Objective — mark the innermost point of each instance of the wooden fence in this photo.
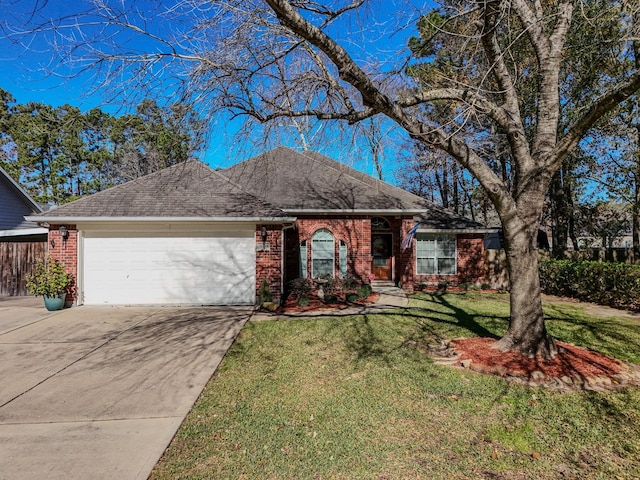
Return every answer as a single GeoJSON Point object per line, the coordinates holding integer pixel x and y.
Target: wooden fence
{"type": "Point", "coordinates": [16, 261]}
{"type": "Point", "coordinates": [496, 274]}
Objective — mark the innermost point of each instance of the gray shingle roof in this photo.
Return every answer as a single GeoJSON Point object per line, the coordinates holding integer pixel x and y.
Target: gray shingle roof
{"type": "Point", "coordinates": [189, 190]}
{"type": "Point", "coordinates": [275, 185]}
{"type": "Point", "coordinates": [302, 182]}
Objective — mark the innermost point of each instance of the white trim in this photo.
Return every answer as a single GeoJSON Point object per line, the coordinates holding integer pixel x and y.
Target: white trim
{"type": "Point", "coordinates": [57, 220]}
{"type": "Point", "coordinates": [80, 268]}
{"type": "Point", "coordinates": [455, 230]}
{"type": "Point", "coordinates": [24, 231]}
{"type": "Point", "coordinates": [377, 212]}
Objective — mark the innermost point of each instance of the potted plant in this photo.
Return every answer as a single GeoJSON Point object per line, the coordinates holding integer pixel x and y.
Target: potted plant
{"type": "Point", "coordinates": [50, 280]}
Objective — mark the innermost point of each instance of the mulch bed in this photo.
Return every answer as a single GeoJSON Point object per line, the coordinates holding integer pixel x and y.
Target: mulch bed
{"type": "Point", "coordinates": [290, 305]}
{"type": "Point", "coordinates": [573, 368]}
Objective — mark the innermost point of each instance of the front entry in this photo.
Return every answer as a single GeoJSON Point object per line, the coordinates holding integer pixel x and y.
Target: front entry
{"type": "Point", "coordinates": [382, 251]}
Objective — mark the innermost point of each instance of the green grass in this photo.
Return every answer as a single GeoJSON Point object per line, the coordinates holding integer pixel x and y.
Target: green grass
{"type": "Point", "coordinates": [357, 398]}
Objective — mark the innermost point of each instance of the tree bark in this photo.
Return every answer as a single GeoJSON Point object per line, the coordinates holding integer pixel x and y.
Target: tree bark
{"type": "Point", "coordinates": [527, 333]}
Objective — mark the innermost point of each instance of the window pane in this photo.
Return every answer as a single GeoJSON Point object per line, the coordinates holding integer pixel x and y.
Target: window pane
{"type": "Point", "coordinates": [303, 259]}
{"type": "Point", "coordinates": [446, 247]}
{"type": "Point", "coordinates": [446, 266]}
{"type": "Point", "coordinates": [322, 254]}
{"type": "Point", "coordinates": [322, 268]}
{"type": "Point", "coordinates": [343, 259]}
{"type": "Point", "coordinates": [426, 266]}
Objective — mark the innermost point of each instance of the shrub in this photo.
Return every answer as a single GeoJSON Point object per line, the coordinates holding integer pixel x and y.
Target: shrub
{"type": "Point", "coordinates": [330, 298]}
{"type": "Point", "coordinates": [613, 284]}
{"type": "Point", "coordinates": [300, 288]}
{"type": "Point", "coordinates": [49, 278]}
{"type": "Point", "coordinates": [349, 283]}
{"type": "Point", "coordinates": [352, 297]}
{"type": "Point", "coordinates": [364, 291]}
{"type": "Point", "coordinates": [303, 302]}
{"type": "Point", "coordinates": [264, 292]}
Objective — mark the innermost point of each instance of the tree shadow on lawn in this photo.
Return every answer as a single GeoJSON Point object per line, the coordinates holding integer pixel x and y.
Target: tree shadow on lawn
{"type": "Point", "coordinates": [435, 324]}
{"type": "Point", "coordinates": [610, 335]}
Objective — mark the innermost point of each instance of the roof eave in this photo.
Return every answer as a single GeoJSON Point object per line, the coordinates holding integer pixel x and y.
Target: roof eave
{"type": "Point", "coordinates": [20, 232]}
{"type": "Point", "coordinates": [456, 230]}
{"type": "Point", "coordinates": [72, 219]}
{"type": "Point", "coordinates": [355, 211]}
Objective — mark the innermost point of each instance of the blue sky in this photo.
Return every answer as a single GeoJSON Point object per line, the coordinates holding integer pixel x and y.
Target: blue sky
{"type": "Point", "coordinates": [25, 72]}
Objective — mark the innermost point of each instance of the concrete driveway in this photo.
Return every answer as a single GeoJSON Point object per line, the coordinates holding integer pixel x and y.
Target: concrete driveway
{"type": "Point", "coordinates": [99, 392]}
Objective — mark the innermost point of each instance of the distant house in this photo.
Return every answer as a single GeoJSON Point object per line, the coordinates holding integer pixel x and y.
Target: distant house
{"type": "Point", "coordinates": [21, 241]}
{"type": "Point", "coordinates": [191, 235]}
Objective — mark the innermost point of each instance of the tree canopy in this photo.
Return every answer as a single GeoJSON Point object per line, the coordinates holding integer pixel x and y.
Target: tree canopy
{"type": "Point", "coordinates": [60, 154]}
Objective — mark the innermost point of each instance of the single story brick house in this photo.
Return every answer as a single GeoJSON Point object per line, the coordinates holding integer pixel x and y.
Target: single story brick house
{"type": "Point", "coordinates": [192, 235]}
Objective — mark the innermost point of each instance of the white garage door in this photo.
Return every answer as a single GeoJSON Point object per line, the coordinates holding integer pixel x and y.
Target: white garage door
{"type": "Point", "coordinates": [210, 267]}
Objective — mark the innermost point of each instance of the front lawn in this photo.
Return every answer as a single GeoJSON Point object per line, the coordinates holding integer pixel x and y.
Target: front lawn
{"type": "Point", "coordinates": [356, 397]}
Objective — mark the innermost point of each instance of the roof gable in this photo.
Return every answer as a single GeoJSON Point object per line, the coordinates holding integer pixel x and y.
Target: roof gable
{"type": "Point", "coordinates": [15, 204]}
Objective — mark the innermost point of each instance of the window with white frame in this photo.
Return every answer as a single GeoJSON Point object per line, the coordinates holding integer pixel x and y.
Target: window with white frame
{"type": "Point", "coordinates": [303, 259]}
{"type": "Point", "coordinates": [435, 254]}
{"type": "Point", "coordinates": [322, 254]}
{"type": "Point", "coordinates": [343, 259]}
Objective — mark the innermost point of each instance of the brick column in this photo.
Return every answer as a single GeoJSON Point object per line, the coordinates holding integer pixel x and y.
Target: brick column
{"type": "Point", "coordinates": [66, 252]}
{"type": "Point", "coordinates": [269, 260]}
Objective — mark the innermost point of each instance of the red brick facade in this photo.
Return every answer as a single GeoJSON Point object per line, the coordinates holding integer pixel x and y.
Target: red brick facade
{"type": "Point", "coordinates": [355, 231]}
{"type": "Point", "coordinates": [278, 256]}
{"type": "Point", "coordinates": [66, 252]}
{"type": "Point", "coordinates": [469, 259]}
{"type": "Point", "coordinates": [269, 259]}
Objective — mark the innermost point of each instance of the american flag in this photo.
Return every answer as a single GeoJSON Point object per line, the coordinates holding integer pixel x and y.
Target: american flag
{"type": "Point", "coordinates": [406, 241]}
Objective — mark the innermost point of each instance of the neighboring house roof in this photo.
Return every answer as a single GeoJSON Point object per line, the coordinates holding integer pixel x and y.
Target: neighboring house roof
{"type": "Point", "coordinates": [189, 191]}
{"type": "Point", "coordinates": [15, 204]}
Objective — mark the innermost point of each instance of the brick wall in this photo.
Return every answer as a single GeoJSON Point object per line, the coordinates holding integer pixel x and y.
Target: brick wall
{"type": "Point", "coordinates": [269, 259]}
{"type": "Point", "coordinates": [354, 231]}
{"type": "Point", "coordinates": [470, 263]}
{"type": "Point", "coordinates": [66, 252]}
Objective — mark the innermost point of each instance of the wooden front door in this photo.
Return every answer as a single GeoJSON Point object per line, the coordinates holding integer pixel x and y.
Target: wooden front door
{"type": "Point", "coordinates": [382, 251]}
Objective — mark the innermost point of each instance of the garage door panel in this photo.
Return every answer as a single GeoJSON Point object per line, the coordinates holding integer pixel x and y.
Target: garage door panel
{"type": "Point", "coordinates": [147, 269]}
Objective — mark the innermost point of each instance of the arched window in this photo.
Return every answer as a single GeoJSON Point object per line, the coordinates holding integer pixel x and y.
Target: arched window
{"type": "Point", "coordinates": [322, 254]}
{"type": "Point", "coordinates": [379, 223]}
{"type": "Point", "coordinates": [303, 259]}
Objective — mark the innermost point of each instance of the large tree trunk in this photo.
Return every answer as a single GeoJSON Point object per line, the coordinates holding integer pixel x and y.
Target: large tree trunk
{"type": "Point", "coordinates": [527, 333]}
